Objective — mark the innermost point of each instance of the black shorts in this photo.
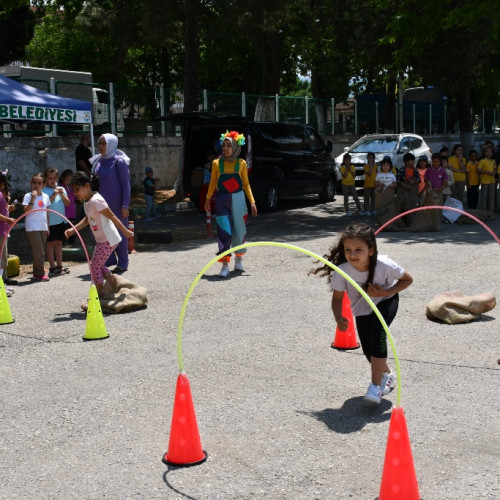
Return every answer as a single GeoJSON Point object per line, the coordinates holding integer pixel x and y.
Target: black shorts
{"type": "Point", "coordinates": [371, 333]}
{"type": "Point", "coordinates": [56, 232]}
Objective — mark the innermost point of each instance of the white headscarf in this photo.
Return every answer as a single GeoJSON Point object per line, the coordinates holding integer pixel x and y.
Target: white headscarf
{"type": "Point", "coordinates": [111, 150]}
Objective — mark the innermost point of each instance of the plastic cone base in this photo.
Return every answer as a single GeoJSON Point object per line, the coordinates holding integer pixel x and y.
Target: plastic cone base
{"type": "Point", "coordinates": [95, 328]}
{"type": "Point", "coordinates": [347, 339]}
{"type": "Point", "coordinates": [184, 446]}
{"type": "Point", "coordinates": [166, 461]}
{"type": "Point", "coordinates": [5, 314]}
{"type": "Point", "coordinates": [399, 479]}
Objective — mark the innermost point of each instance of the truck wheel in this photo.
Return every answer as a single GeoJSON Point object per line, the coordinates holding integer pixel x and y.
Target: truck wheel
{"type": "Point", "coordinates": [327, 194]}
{"type": "Point", "coordinates": [270, 200]}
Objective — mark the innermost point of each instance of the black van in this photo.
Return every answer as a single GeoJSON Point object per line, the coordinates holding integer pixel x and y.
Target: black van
{"type": "Point", "coordinates": [284, 159]}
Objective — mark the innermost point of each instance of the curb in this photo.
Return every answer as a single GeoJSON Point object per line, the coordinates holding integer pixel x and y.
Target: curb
{"type": "Point", "coordinates": [160, 236]}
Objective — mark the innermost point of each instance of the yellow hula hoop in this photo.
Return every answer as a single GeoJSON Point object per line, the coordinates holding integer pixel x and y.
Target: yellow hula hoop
{"type": "Point", "coordinates": [314, 256]}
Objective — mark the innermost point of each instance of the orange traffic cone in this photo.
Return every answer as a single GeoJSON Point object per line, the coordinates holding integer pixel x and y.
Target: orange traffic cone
{"type": "Point", "coordinates": [398, 477]}
{"type": "Point", "coordinates": [347, 339]}
{"type": "Point", "coordinates": [131, 227]}
{"type": "Point", "coordinates": [184, 446]}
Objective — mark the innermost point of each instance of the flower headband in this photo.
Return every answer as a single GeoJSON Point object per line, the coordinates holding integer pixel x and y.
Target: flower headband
{"type": "Point", "coordinates": [236, 136]}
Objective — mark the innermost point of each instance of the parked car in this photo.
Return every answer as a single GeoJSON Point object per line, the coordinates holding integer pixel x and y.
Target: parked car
{"type": "Point", "coordinates": [393, 145]}
{"type": "Point", "coordinates": [284, 159]}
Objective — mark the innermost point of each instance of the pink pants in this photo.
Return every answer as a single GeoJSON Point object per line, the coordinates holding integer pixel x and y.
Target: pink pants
{"type": "Point", "coordinates": [98, 263]}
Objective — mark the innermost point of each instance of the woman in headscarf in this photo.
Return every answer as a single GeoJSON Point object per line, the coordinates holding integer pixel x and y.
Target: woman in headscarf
{"type": "Point", "coordinates": [111, 165]}
{"type": "Point", "coordinates": [229, 181]}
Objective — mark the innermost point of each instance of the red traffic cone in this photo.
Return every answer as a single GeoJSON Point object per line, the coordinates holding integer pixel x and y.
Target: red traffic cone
{"type": "Point", "coordinates": [131, 246]}
{"type": "Point", "coordinates": [347, 339]}
{"type": "Point", "coordinates": [398, 477]}
{"type": "Point", "coordinates": [184, 446]}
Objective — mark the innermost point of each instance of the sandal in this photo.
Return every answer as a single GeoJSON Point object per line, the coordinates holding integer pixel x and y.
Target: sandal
{"type": "Point", "coordinates": [62, 270]}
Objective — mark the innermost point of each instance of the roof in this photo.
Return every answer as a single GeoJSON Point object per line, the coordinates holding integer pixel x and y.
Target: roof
{"type": "Point", "coordinates": [22, 103]}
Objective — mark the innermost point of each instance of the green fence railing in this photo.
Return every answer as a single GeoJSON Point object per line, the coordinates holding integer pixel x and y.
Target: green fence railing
{"type": "Point", "coordinates": [134, 111]}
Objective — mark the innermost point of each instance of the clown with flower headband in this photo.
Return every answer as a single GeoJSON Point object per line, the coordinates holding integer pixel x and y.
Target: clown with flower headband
{"type": "Point", "coordinates": [229, 181]}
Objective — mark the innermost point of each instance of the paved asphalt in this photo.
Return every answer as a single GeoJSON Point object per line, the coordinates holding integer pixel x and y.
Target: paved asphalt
{"type": "Point", "coordinates": [279, 412]}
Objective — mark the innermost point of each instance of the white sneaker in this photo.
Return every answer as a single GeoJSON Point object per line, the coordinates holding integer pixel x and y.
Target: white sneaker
{"type": "Point", "coordinates": [224, 272]}
{"type": "Point", "coordinates": [388, 382]}
{"type": "Point", "coordinates": [373, 394]}
{"type": "Point", "coordinates": [238, 264]}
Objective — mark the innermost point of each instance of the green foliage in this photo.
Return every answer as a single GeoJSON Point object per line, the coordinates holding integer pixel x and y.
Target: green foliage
{"type": "Point", "coordinates": [346, 48]}
{"type": "Point", "coordinates": [16, 29]}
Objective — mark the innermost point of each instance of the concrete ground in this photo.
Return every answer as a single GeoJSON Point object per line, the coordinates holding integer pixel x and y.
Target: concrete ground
{"type": "Point", "coordinates": [279, 412]}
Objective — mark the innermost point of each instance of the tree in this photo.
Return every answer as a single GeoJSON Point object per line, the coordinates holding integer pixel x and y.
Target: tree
{"type": "Point", "coordinates": [453, 42]}
{"type": "Point", "coordinates": [17, 22]}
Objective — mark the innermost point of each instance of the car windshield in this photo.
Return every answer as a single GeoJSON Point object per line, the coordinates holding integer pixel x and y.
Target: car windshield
{"type": "Point", "coordinates": [375, 145]}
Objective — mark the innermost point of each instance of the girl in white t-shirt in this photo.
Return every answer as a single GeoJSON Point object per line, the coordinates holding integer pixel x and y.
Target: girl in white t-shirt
{"type": "Point", "coordinates": [37, 224]}
{"type": "Point", "coordinates": [103, 223]}
{"type": "Point", "coordinates": [381, 278]}
{"type": "Point", "coordinates": [385, 178]}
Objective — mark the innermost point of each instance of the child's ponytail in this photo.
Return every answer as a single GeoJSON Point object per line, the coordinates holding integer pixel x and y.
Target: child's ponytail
{"type": "Point", "coordinates": [95, 182]}
{"type": "Point", "coordinates": [81, 178]}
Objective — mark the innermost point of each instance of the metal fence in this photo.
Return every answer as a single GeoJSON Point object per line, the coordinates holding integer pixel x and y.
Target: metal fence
{"type": "Point", "coordinates": [134, 111]}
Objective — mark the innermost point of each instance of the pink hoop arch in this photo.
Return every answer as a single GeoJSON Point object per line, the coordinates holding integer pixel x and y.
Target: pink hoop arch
{"type": "Point", "coordinates": [439, 207]}
{"type": "Point", "coordinates": [60, 215]}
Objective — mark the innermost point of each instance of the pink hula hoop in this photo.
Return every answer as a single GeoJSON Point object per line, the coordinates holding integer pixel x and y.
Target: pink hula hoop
{"type": "Point", "coordinates": [439, 207]}
{"type": "Point", "coordinates": [54, 212]}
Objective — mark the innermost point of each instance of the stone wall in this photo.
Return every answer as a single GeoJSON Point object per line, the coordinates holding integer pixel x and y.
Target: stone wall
{"type": "Point", "coordinates": [24, 156]}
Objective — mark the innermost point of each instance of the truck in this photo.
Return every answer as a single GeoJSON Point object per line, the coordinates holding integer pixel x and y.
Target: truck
{"type": "Point", "coordinates": [72, 84]}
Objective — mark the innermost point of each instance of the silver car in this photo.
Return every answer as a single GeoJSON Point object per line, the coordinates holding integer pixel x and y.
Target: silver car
{"type": "Point", "coordinates": [393, 145]}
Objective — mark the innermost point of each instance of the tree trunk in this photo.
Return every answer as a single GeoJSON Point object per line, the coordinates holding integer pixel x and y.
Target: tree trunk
{"type": "Point", "coordinates": [268, 49]}
{"type": "Point", "coordinates": [465, 120]}
{"type": "Point", "coordinates": [264, 110]}
{"type": "Point", "coordinates": [390, 109]}
{"type": "Point", "coordinates": [191, 56]}
{"type": "Point", "coordinates": [321, 116]}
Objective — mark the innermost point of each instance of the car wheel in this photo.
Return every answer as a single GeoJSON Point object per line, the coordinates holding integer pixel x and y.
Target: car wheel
{"type": "Point", "coordinates": [271, 198]}
{"type": "Point", "coordinates": [328, 192]}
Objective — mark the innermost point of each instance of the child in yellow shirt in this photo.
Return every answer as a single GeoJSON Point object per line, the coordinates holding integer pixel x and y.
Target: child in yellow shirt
{"type": "Point", "coordinates": [457, 164]}
{"type": "Point", "coordinates": [487, 170]}
{"type": "Point", "coordinates": [348, 172]}
{"type": "Point", "coordinates": [369, 187]}
{"type": "Point", "coordinates": [472, 180]}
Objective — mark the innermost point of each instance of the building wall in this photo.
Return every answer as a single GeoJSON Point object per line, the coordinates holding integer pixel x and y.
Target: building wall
{"type": "Point", "coordinates": [24, 156]}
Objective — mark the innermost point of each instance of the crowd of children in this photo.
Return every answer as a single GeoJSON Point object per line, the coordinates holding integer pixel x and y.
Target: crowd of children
{"type": "Point", "coordinates": [448, 176]}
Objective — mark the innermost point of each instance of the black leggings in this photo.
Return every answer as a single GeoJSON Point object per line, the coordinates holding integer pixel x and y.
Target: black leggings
{"type": "Point", "coordinates": [371, 333]}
